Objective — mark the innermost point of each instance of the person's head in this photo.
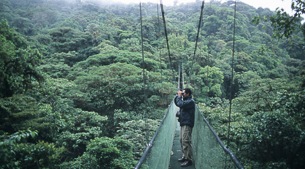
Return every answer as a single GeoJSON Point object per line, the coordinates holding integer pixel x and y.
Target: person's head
{"type": "Point", "coordinates": [187, 92]}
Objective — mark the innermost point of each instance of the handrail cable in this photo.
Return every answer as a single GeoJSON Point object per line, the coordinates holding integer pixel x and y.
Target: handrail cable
{"type": "Point", "coordinates": [166, 36]}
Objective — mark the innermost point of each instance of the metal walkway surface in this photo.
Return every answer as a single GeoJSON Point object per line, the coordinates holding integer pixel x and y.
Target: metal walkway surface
{"type": "Point", "coordinates": [177, 153]}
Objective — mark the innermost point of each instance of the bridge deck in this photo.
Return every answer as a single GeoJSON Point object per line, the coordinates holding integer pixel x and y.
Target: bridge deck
{"type": "Point", "coordinates": [177, 153]}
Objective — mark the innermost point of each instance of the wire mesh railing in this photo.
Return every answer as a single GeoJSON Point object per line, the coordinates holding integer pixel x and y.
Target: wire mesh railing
{"type": "Point", "coordinates": [157, 153]}
{"type": "Point", "coordinates": [209, 152]}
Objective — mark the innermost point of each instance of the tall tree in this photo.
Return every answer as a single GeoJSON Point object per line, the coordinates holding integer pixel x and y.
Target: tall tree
{"type": "Point", "coordinates": [18, 64]}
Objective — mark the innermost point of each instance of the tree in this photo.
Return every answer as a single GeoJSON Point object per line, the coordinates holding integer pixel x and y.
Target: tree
{"type": "Point", "coordinates": [285, 24]}
{"type": "Point", "coordinates": [212, 78]}
{"type": "Point", "coordinates": [212, 25]}
{"type": "Point", "coordinates": [18, 64]}
{"type": "Point", "coordinates": [121, 81]}
{"type": "Point", "coordinates": [94, 84]}
{"type": "Point", "coordinates": [105, 152]}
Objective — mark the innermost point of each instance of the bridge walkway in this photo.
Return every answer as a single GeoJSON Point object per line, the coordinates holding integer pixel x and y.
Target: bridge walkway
{"type": "Point", "coordinates": [176, 152]}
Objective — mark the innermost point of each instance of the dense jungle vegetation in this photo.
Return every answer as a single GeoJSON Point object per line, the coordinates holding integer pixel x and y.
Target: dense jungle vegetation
{"type": "Point", "coordinates": [72, 93]}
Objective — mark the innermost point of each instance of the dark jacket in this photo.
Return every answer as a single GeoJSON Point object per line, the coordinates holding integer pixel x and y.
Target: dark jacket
{"type": "Point", "coordinates": [187, 110]}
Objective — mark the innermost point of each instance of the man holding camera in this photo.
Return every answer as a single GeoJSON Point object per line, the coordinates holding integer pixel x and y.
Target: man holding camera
{"type": "Point", "coordinates": [186, 117]}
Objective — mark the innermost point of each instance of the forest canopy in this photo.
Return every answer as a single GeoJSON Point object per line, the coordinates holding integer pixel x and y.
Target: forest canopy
{"type": "Point", "coordinates": [75, 91]}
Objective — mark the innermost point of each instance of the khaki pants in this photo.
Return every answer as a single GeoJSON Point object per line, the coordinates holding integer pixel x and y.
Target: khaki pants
{"type": "Point", "coordinates": [186, 141]}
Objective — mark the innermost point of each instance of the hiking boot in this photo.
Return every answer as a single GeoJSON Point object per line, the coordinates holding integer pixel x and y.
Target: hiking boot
{"type": "Point", "coordinates": [182, 159]}
{"type": "Point", "coordinates": [187, 163]}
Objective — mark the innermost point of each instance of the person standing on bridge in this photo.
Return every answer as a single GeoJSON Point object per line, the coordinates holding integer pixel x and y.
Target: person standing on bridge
{"type": "Point", "coordinates": [184, 101]}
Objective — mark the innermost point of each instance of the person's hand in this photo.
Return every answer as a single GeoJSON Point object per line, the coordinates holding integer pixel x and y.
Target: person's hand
{"type": "Point", "coordinates": [179, 93]}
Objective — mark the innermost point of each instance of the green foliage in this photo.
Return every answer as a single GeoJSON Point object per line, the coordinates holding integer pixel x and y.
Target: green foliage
{"type": "Point", "coordinates": [211, 78]}
{"type": "Point", "coordinates": [80, 127]}
{"type": "Point", "coordinates": [212, 24]}
{"type": "Point", "coordinates": [119, 80]}
{"type": "Point", "coordinates": [274, 135]}
{"type": "Point", "coordinates": [110, 54]}
{"type": "Point", "coordinates": [138, 132]}
{"type": "Point", "coordinates": [105, 152]}
{"type": "Point", "coordinates": [266, 125]}
{"type": "Point", "coordinates": [20, 109]}
{"type": "Point", "coordinates": [17, 137]}
{"type": "Point", "coordinates": [100, 103]}
{"type": "Point", "coordinates": [288, 26]}
{"type": "Point", "coordinates": [37, 155]}
{"type": "Point", "coordinates": [15, 152]}
{"type": "Point", "coordinates": [244, 80]}
{"type": "Point", "coordinates": [7, 145]}
{"type": "Point", "coordinates": [18, 63]}
{"type": "Point", "coordinates": [285, 24]}
{"type": "Point", "coordinates": [274, 129]}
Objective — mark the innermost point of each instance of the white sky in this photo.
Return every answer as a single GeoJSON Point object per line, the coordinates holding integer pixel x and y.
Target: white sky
{"type": "Point", "coordinates": [271, 4]}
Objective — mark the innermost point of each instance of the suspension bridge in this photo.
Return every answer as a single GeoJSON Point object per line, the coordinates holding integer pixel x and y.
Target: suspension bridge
{"type": "Point", "coordinates": [163, 150]}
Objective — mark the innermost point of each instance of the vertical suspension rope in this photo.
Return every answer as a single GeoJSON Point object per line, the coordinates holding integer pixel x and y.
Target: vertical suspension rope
{"type": "Point", "coordinates": [158, 36]}
{"type": "Point", "coordinates": [143, 72]}
{"type": "Point", "coordinates": [198, 31]}
{"type": "Point", "coordinates": [208, 73]}
{"type": "Point", "coordinates": [180, 78]}
{"type": "Point", "coordinates": [197, 38]}
{"type": "Point", "coordinates": [165, 31]}
{"type": "Point", "coordinates": [232, 76]}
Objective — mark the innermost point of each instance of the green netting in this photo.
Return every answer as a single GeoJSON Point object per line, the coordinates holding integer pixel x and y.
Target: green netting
{"type": "Point", "coordinates": [208, 150]}
{"type": "Point", "coordinates": [157, 154]}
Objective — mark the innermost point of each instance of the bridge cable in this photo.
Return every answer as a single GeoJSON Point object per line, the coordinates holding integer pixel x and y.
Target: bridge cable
{"type": "Point", "coordinates": [232, 76]}
{"type": "Point", "coordinates": [180, 78]}
{"type": "Point", "coordinates": [143, 73]}
{"type": "Point", "coordinates": [166, 36]}
{"type": "Point", "coordinates": [232, 80]}
{"type": "Point", "coordinates": [198, 30]}
{"type": "Point", "coordinates": [197, 38]}
{"type": "Point", "coordinates": [158, 36]}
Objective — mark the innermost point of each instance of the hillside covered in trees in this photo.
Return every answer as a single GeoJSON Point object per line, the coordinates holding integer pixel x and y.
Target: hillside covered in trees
{"type": "Point", "coordinates": [76, 93]}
